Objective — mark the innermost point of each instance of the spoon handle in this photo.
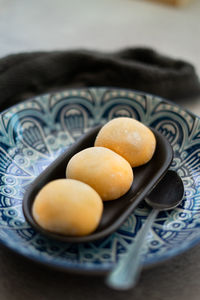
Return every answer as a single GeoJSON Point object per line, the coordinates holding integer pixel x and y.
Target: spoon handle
{"type": "Point", "coordinates": [127, 271]}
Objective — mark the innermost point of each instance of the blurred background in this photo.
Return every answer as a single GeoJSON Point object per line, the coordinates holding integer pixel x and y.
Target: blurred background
{"type": "Point", "coordinates": [27, 25]}
{"type": "Point", "coordinates": [105, 25]}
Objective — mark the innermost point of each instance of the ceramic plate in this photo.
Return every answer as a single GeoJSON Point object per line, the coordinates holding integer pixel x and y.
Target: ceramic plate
{"type": "Point", "coordinates": [35, 132]}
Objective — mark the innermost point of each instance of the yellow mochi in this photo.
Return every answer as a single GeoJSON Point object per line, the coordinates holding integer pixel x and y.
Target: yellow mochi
{"type": "Point", "coordinates": [104, 170]}
{"type": "Point", "coordinates": [129, 138]}
{"type": "Point", "coordinates": [68, 207]}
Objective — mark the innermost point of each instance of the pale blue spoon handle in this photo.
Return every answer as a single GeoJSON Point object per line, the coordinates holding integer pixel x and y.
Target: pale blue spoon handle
{"type": "Point", "coordinates": [127, 271]}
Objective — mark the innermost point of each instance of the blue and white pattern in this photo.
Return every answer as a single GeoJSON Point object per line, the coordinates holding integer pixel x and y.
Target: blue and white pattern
{"type": "Point", "coordinates": [35, 132]}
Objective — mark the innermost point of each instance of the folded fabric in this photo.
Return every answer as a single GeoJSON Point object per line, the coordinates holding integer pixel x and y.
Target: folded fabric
{"type": "Point", "coordinates": [28, 74]}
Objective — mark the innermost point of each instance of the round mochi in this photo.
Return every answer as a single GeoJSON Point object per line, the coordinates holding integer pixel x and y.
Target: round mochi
{"type": "Point", "coordinates": [129, 138]}
{"type": "Point", "coordinates": [104, 170]}
{"type": "Point", "coordinates": [68, 207]}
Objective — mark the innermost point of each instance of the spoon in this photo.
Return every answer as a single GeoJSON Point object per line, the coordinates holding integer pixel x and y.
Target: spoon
{"type": "Point", "coordinates": [166, 195]}
{"type": "Point", "coordinates": [115, 212]}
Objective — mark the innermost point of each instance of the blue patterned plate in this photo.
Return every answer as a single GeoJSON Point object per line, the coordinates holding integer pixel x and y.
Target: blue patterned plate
{"type": "Point", "coordinates": [35, 132]}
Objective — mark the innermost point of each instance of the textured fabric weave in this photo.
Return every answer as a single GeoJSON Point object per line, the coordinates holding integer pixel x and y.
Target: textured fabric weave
{"type": "Point", "coordinates": [28, 74]}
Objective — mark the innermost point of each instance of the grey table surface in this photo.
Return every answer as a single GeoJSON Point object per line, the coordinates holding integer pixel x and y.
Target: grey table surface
{"type": "Point", "coordinates": [103, 25]}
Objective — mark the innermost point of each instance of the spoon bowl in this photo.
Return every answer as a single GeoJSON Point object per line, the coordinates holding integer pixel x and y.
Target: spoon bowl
{"type": "Point", "coordinates": [115, 212]}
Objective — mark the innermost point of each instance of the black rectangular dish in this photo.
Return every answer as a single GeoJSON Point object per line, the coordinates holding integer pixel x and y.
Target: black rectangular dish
{"type": "Point", "coordinates": [116, 211]}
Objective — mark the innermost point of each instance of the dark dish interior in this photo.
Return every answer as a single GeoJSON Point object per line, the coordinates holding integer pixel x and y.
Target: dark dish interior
{"type": "Point", "coordinates": [116, 211]}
